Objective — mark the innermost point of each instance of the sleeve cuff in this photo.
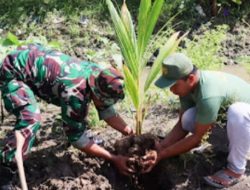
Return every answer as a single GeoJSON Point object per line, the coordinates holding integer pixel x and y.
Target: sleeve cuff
{"type": "Point", "coordinates": [107, 113]}
{"type": "Point", "coordinates": [81, 142]}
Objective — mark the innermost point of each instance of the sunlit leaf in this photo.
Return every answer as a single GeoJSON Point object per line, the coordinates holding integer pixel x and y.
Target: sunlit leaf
{"type": "Point", "coordinates": [130, 84]}
{"type": "Point", "coordinates": [137, 49]}
{"type": "Point", "coordinates": [165, 51]}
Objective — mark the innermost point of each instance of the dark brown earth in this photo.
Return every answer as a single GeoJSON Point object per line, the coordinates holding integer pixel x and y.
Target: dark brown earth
{"type": "Point", "coordinates": [54, 164]}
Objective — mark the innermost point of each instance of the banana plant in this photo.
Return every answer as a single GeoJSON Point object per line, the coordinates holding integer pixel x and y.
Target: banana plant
{"type": "Point", "coordinates": [137, 45]}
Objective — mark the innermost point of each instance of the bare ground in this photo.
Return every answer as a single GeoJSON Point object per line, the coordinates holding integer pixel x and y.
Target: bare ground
{"type": "Point", "coordinates": [54, 164]}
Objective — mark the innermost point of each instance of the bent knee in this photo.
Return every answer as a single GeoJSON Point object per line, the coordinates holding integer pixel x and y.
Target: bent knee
{"type": "Point", "coordinates": [238, 109]}
{"type": "Point", "coordinates": [82, 142]}
{"type": "Point", "coordinates": [188, 119]}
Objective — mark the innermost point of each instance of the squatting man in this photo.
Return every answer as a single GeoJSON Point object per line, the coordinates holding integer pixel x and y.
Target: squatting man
{"type": "Point", "coordinates": [202, 94]}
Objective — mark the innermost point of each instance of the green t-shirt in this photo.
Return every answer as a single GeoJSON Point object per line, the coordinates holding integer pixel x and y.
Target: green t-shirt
{"type": "Point", "coordinates": [213, 91]}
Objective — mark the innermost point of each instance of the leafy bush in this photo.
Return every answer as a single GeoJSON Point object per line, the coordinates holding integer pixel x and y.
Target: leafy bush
{"type": "Point", "coordinates": [183, 10]}
{"type": "Point", "coordinates": [203, 49]}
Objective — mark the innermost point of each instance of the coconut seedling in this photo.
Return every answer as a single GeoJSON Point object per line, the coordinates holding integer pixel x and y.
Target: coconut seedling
{"type": "Point", "coordinates": [137, 45]}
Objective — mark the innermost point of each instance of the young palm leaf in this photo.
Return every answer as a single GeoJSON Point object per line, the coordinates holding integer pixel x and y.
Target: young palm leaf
{"type": "Point", "coordinates": [136, 50]}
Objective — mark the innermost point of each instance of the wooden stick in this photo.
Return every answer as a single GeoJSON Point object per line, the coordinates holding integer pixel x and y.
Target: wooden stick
{"type": "Point", "coordinates": [19, 159]}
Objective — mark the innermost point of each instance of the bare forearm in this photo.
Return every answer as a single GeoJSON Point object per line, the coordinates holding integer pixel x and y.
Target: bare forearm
{"type": "Point", "coordinates": [174, 136]}
{"type": "Point", "coordinates": [118, 160]}
{"type": "Point", "coordinates": [96, 150]}
{"type": "Point", "coordinates": [180, 147]}
{"type": "Point", "coordinates": [119, 124]}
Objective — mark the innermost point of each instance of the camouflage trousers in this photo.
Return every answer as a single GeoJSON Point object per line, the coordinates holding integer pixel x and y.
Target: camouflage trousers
{"type": "Point", "coordinates": [19, 99]}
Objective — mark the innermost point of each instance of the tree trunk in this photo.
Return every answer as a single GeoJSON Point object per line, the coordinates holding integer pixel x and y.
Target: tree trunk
{"type": "Point", "coordinates": [214, 7]}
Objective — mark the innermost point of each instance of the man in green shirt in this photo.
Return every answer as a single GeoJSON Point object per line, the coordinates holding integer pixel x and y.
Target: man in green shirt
{"type": "Point", "coordinates": [202, 94]}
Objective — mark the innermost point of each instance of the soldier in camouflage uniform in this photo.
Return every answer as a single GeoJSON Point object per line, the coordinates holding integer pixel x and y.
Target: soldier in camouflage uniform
{"type": "Point", "coordinates": [66, 82]}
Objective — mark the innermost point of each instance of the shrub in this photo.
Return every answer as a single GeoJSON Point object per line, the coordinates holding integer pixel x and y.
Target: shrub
{"type": "Point", "coordinates": [203, 49]}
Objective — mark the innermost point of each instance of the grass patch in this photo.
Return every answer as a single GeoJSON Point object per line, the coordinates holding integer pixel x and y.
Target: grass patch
{"type": "Point", "coordinates": [244, 61]}
{"type": "Point", "coordinates": [203, 49]}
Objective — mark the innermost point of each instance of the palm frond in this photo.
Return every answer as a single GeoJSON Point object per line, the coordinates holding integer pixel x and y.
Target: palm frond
{"type": "Point", "coordinates": [165, 51]}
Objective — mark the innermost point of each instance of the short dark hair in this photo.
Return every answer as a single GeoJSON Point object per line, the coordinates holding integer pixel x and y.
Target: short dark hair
{"type": "Point", "coordinates": [194, 70]}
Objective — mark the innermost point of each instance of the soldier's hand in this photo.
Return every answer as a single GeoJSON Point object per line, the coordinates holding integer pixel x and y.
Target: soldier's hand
{"type": "Point", "coordinates": [121, 164]}
{"type": "Point", "coordinates": [128, 131]}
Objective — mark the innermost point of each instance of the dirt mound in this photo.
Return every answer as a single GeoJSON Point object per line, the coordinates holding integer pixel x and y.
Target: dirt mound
{"type": "Point", "coordinates": [54, 165]}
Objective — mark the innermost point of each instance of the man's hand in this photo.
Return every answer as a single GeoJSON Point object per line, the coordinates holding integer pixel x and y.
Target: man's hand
{"type": "Point", "coordinates": [119, 124]}
{"type": "Point", "coordinates": [128, 131]}
{"type": "Point", "coordinates": [121, 164]}
{"type": "Point", "coordinates": [149, 161]}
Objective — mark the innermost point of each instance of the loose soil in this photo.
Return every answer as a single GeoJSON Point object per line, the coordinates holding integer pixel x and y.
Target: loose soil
{"type": "Point", "coordinates": [54, 164]}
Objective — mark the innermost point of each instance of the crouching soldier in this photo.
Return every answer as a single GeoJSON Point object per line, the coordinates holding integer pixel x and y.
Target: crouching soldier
{"type": "Point", "coordinates": [66, 82]}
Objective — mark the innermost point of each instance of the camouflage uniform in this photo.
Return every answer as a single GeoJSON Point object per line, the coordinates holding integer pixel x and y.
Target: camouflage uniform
{"type": "Point", "coordinates": [59, 79]}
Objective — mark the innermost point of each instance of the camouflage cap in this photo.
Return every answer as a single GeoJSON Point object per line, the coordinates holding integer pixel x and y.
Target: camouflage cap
{"type": "Point", "coordinates": [174, 68]}
{"type": "Point", "coordinates": [108, 86]}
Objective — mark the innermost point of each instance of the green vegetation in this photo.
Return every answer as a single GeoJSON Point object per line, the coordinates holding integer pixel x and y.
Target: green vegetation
{"type": "Point", "coordinates": [239, 2]}
{"type": "Point", "coordinates": [222, 114]}
{"type": "Point", "coordinates": [79, 26]}
{"type": "Point", "coordinates": [93, 118]}
{"type": "Point", "coordinates": [37, 10]}
{"type": "Point", "coordinates": [245, 61]}
{"type": "Point", "coordinates": [203, 49]}
{"type": "Point", "coordinates": [137, 48]}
